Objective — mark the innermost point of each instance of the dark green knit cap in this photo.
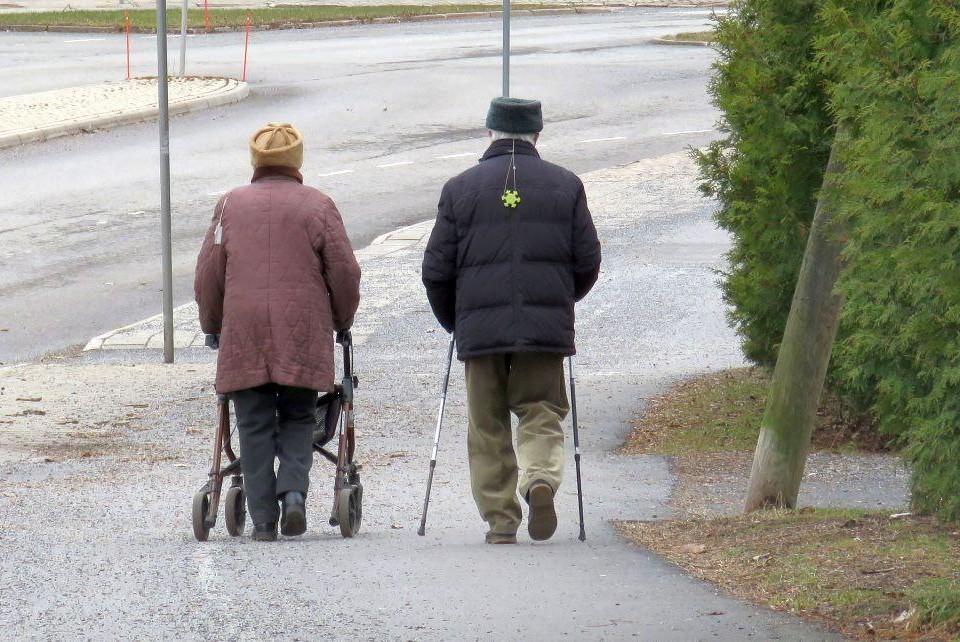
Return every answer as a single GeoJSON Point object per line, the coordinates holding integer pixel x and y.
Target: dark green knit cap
{"type": "Point", "coordinates": [515, 116]}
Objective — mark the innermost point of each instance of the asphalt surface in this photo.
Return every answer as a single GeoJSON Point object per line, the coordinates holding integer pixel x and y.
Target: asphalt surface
{"type": "Point", "coordinates": [389, 112]}
{"type": "Point", "coordinates": [96, 543]}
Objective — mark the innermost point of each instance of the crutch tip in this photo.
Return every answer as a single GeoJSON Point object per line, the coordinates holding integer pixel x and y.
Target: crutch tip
{"type": "Point", "coordinates": [583, 536]}
{"type": "Point", "coordinates": [421, 532]}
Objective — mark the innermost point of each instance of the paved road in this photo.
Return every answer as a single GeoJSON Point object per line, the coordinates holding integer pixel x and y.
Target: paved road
{"type": "Point", "coordinates": [57, 5]}
{"type": "Point", "coordinates": [389, 112]}
{"type": "Point", "coordinates": [97, 545]}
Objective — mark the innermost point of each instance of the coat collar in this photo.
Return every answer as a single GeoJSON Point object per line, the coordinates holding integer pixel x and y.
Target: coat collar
{"type": "Point", "coordinates": [505, 146]}
{"type": "Point", "coordinates": [276, 173]}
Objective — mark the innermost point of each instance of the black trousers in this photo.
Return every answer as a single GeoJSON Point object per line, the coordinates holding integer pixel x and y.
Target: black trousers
{"type": "Point", "coordinates": [274, 422]}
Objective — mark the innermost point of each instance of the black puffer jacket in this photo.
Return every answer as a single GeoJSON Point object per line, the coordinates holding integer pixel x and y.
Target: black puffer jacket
{"type": "Point", "coordinates": [506, 279]}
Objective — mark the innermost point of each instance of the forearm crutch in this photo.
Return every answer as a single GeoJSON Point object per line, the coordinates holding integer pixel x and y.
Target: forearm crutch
{"type": "Point", "coordinates": [436, 440]}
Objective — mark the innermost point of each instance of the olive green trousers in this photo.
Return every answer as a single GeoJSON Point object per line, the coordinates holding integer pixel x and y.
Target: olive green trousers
{"type": "Point", "coordinates": [532, 387]}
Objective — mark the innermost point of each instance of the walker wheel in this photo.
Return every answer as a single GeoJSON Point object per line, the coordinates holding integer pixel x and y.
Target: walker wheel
{"type": "Point", "coordinates": [349, 511]}
{"type": "Point", "coordinates": [235, 511]}
{"type": "Point", "coordinates": [201, 505]}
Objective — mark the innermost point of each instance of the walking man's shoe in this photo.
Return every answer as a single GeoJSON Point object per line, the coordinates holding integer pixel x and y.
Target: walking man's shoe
{"type": "Point", "coordinates": [501, 538]}
{"type": "Point", "coordinates": [542, 523]}
{"type": "Point", "coordinates": [265, 532]}
{"type": "Point", "coordinates": [294, 521]}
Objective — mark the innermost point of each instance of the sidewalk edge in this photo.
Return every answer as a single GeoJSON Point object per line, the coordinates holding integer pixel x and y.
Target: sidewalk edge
{"type": "Point", "coordinates": [385, 244]}
{"type": "Point", "coordinates": [82, 125]}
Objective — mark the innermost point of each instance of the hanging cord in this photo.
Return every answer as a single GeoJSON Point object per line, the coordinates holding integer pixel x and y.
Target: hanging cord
{"type": "Point", "coordinates": [513, 162]}
{"type": "Point", "coordinates": [511, 198]}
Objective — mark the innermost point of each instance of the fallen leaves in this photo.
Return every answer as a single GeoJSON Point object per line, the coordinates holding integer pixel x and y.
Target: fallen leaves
{"type": "Point", "coordinates": [29, 412]}
{"type": "Point", "coordinates": [858, 570]}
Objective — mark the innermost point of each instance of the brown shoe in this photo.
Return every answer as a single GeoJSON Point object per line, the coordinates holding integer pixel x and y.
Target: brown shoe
{"type": "Point", "coordinates": [501, 538]}
{"type": "Point", "coordinates": [542, 522]}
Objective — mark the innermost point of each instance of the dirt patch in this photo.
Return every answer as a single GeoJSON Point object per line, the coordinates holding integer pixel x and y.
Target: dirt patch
{"type": "Point", "coordinates": [870, 575]}
{"type": "Point", "coordinates": [68, 411]}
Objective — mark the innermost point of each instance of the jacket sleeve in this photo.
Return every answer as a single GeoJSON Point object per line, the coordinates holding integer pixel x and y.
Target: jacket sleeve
{"type": "Point", "coordinates": [586, 248]}
{"type": "Point", "coordinates": [209, 280]}
{"type": "Point", "coordinates": [341, 272]}
{"type": "Point", "coordinates": [440, 264]}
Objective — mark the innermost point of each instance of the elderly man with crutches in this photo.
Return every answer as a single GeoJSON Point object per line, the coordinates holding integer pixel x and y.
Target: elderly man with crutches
{"type": "Point", "coordinates": [513, 248]}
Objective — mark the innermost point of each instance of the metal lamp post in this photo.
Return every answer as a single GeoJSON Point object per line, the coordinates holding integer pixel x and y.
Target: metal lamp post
{"type": "Point", "coordinates": [506, 48]}
{"type": "Point", "coordinates": [165, 232]}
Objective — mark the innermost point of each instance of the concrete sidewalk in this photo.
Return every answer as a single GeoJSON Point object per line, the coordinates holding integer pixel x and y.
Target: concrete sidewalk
{"type": "Point", "coordinates": [62, 112]}
{"type": "Point", "coordinates": [108, 449]}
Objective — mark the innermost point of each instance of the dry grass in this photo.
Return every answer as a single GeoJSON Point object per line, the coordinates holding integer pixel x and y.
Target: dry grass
{"type": "Point", "coordinates": [695, 36]}
{"type": "Point", "coordinates": [721, 412]}
{"type": "Point", "coordinates": [278, 17]}
{"type": "Point", "coordinates": [867, 574]}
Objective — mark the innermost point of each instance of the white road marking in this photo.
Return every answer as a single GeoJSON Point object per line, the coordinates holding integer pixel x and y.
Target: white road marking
{"type": "Point", "coordinates": [463, 155]}
{"type": "Point", "coordinates": [85, 40]}
{"type": "Point", "coordinates": [396, 164]}
{"type": "Point", "coordinates": [689, 131]}
{"type": "Point", "coordinates": [220, 193]}
{"type": "Point", "coordinates": [603, 140]}
{"type": "Point", "coordinates": [339, 172]}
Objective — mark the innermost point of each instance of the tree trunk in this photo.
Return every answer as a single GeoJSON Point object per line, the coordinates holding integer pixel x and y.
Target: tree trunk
{"type": "Point", "coordinates": [794, 396]}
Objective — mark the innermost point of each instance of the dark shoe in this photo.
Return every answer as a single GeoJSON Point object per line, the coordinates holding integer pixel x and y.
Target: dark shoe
{"type": "Point", "coordinates": [542, 523]}
{"type": "Point", "coordinates": [501, 538]}
{"type": "Point", "coordinates": [294, 520]}
{"type": "Point", "coordinates": [265, 532]}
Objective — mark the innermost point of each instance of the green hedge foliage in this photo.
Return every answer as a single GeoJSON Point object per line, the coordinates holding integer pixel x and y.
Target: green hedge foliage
{"type": "Point", "coordinates": [766, 170]}
{"type": "Point", "coordinates": [891, 69]}
{"type": "Point", "coordinates": [895, 75]}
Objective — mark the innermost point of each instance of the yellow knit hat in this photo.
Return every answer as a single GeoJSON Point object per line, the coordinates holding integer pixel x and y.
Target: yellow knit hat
{"type": "Point", "coordinates": [277, 145]}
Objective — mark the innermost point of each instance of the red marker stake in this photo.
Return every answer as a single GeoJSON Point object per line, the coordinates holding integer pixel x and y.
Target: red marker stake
{"type": "Point", "coordinates": [126, 29]}
{"type": "Point", "coordinates": [206, 15]}
{"type": "Point", "coordinates": [246, 47]}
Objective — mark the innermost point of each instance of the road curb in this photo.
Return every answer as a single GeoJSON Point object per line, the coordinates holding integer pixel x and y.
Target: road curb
{"type": "Point", "coordinates": [289, 26]}
{"type": "Point", "coordinates": [681, 43]}
{"type": "Point", "coordinates": [231, 95]}
{"type": "Point", "coordinates": [147, 333]}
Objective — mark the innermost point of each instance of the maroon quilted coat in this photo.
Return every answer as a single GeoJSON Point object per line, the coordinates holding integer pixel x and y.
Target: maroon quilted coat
{"type": "Point", "coordinates": [277, 286]}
